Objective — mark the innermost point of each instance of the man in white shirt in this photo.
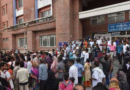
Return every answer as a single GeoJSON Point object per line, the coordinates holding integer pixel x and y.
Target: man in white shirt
{"type": "Point", "coordinates": [125, 46]}
{"type": "Point", "coordinates": [73, 71]}
{"type": "Point", "coordinates": [99, 42]}
{"type": "Point", "coordinates": [86, 55]}
{"type": "Point", "coordinates": [98, 75]}
{"type": "Point", "coordinates": [22, 76]}
{"type": "Point", "coordinates": [8, 77]}
{"type": "Point", "coordinates": [108, 43]}
{"type": "Point", "coordinates": [91, 42]}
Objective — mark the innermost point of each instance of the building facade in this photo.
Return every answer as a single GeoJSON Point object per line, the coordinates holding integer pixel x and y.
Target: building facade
{"type": "Point", "coordinates": [35, 25]}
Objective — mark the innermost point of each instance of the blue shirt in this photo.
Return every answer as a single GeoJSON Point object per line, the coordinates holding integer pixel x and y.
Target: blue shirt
{"type": "Point", "coordinates": [80, 69]}
{"type": "Point", "coordinates": [119, 48]}
{"type": "Point", "coordinates": [117, 42]}
{"type": "Point", "coordinates": [71, 55]}
{"type": "Point", "coordinates": [43, 75]}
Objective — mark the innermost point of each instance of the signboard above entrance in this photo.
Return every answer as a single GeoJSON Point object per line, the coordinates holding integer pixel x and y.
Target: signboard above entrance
{"type": "Point", "coordinates": [119, 27]}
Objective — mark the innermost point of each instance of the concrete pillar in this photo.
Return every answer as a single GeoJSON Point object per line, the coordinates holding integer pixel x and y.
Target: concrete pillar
{"type": "Point", "coordinates": [31, 41]}
{"type": "Point", "coordinates": [77, 23]}
{"type": "Point", "coordinates": [12, 42]}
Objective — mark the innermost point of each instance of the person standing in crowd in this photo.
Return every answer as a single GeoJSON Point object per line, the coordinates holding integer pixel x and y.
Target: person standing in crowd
{"type": "Point", "coordinates": [104, 46]}
{"type": "Point", "coordinates": [8, 76]}
{"type": "Point", "coordinates": [122, 80]}
{"type": "Point", "coordinates": [100, 86]}
{"type": "Point", "coordinates": [48, 60]}
{"type": "Point", "coordinates": [80, 70]}
{"type": "Point", "coordinates": [119, 49]}
{"type": "Point", "coordinates": [71, 55]}
{"type": "Point", "coordinates": [91, 42]}
{"type": "Point", "coordinates": [66, 84]}
{"type": "Point", "coordinates": [108, 43]}
{"type": "Point", "coordinates": [99, 42]}
{"type": "Point", "coordinates": [112, 49]}
{"type": "Point", "coordinates": [35, 75]}
{"type": "Point", "coordinates": [16, 68]}
{"type": "Point", "coordinates": [43, 74]}
{"type": "Point", "coordinates": [126, 59]}
{"type": "Point", "coordinates": [106, 69]}
{"type": "Point", "coordinates": [60, 68]}
{"type": "Point", "coordinates": [87, 67]}
{"type": "Point", "coordinates": [54, 64]}
{"type": "Point", "coordinates": [52, 82]}
{"type": "Point", "coordinates": [98, 75]}
{"type": "Point", "coordinates": [85, 43]}
{"type": "Point", "coordinates": [90, 51]}
{"type": "Point", "coordinates": [82, 56]}
{"type": "Point", "coordinates": [22, 76]}
{"type": "Point", "coordinates": [128, 73]}
{"type": "Point", "coordinates": [86, 55]}
{"type": "Point", "coordinates": [125, 45]}
{"type": "Point", "coordinates": [110, 60]}
{"type": "Point", "coordinates": [29, 67]}
{"type": "Point", "coordinates": [114, 84]}
{"type": "Point", "coordinates": [73, 71]}
{"type": "Point", "coordinates": [97, 50]}
{"type": "Point", "coordinates": [74, 53]}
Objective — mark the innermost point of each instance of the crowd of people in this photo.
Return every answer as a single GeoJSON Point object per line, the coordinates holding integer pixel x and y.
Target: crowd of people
{"type": "Point", "coordinates": [74, 66]}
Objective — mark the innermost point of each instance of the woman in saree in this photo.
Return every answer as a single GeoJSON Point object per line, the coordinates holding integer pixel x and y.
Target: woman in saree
{"type": "Point", "coordinates": [114, 84]}
{"type": "Point", "coordinates": [35, 75]}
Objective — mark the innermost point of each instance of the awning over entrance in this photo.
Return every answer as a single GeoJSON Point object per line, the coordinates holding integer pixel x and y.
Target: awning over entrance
{"type": "Point", "coordinates": [105, 10]}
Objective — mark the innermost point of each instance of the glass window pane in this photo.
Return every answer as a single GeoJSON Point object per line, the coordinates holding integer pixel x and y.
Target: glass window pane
{"type": "Point", "coordinates": [52, 41]}
{"type": "Point", "coordinates": [120, 17]}
{"type": "Point", "coordinates": [111, 19]}
{"type": "Point", "coordinates": [101, 20]}
{"type": "Point", "coordinates": [20, 3]}
{"type": "Point", "coordinates": [45, 41]}
{"type": "Point", "coordinates": [94, 22]}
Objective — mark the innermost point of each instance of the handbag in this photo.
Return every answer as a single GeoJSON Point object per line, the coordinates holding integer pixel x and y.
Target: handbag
{"type": "Point", "coordinates": [100, 54]}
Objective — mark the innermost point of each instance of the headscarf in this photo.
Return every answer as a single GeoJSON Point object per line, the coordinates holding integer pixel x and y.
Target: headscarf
{"type": "Point", "coordinates": [114, 84]}
{"type": "Point", "coordinates": [122, 77]}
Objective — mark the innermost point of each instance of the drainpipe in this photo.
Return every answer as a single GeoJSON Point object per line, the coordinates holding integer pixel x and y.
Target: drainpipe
{"type": "Point", "coordinates": [36, 9]}
{"type": "Point", "coordinates": [14, 8]}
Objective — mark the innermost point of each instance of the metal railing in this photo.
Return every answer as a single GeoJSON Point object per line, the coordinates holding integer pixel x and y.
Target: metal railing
{"type": "Point", "coordinates": [32, 22]}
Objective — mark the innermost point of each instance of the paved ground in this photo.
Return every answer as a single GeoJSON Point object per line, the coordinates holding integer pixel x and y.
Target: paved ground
{"type": "Point", "coordinates": [116, 67]}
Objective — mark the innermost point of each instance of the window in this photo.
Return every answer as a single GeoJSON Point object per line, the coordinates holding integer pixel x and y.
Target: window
{"type": "Point", "coordinates": [98, 20]}
{"type": "Point", "coordinates": [4, 40]}
{"type": "Point", "coordinates": [5, 24]}
{"type": "Point", "coordinates": [3, 10]}
{"type": "Point", "coordinates": [46, 13]}
{"type": "Point", "coordinates": [20, 20]}
{"type": "Point", "coordinates": [117, 17]}
{"type": "Point", "coordinates": [21, 42]}
{"type": "Point", "coordinates": [48, 41]}
{"type": "Point", "coordinates": [20, 3]}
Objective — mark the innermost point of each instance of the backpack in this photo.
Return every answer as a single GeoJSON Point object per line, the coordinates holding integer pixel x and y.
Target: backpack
{"type": "Point", "coordinates": [65, 86]}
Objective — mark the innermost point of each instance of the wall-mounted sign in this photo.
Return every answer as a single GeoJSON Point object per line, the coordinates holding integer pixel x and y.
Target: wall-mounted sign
{"type": "Point", "coordinates": [62, 43]}
{"type": "Point", "coordinates": [119, 27]}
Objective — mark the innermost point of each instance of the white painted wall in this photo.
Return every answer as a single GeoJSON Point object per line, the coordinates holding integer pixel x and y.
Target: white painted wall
{"type": "Point", "coordinates": [43, 3]}
{"type": "Point", "coordinates": [105, 10]}
{"type": "Point", "coordinates": [19, 12]}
